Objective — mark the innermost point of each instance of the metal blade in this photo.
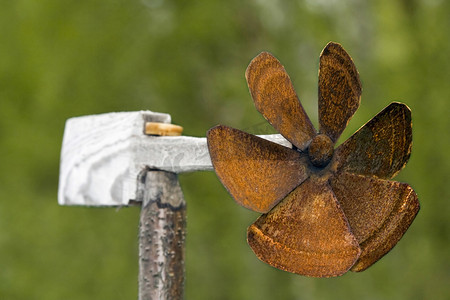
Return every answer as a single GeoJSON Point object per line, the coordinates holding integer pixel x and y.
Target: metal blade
{"type": "Point", "coordinates": [275, 98]}
{"type": "Point", "coordinates": [256, 172]}
{"type": "Point", "coordinates": [379, 212]}
{"type": "Point", "coordinates": [381, 147]}
{"type": "Point", "coordinates": [306, 233]}
{"type": "Point", "coordinates": [339, 90]}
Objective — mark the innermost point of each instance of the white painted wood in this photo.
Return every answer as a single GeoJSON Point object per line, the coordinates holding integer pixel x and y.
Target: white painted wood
{"type": "Point", "coordinates": [102, 156]}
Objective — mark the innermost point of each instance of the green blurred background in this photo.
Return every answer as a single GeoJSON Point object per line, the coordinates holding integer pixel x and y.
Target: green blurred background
{"type": "Point", "coordinates": [61, 59]}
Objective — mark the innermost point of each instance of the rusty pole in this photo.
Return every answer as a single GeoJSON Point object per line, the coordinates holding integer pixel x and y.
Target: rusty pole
{"type": "Point", "coordinates": [162, 230]}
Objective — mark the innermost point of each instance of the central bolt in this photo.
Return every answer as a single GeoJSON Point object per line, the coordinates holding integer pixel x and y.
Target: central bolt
{"type": "Point", "coordinates": [320, 150]}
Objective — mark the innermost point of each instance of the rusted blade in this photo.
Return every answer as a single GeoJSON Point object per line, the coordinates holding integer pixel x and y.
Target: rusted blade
{"type": "Point", "coordinates": [306, 233]}
{"type": "Point", "coordinates": [256, 172]}
{"type": "Point", "coordinates": [339, 90]}
{"type": "Point", "coordinates": [275, 98]}
{"type": "Point", "coordinates": [379, 212]}
{"type": "Point", "coordinates": [381, 147]}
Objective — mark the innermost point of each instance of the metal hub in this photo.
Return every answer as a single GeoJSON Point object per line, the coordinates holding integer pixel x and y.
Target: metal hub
{"type": "Point", "coordinates": [320, 150]}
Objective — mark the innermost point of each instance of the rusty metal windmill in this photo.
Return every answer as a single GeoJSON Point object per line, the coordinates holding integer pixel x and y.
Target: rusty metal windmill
{"type": "Point", "coordinates": [325, 210]}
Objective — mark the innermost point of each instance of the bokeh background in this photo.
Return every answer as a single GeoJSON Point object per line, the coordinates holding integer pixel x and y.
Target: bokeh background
{"type": "Point", "coordinates": [61, 59]}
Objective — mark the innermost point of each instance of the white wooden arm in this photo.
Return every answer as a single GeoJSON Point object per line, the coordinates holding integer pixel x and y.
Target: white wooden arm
{"type": "Point", "coordinates": [102, 156]}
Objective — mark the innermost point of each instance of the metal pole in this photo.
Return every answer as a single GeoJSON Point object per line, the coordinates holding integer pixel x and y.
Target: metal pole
{"type": "Point", "coordinates": [162, 230]}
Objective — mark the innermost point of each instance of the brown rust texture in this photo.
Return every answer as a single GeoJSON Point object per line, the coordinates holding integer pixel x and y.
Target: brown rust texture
{"type": "Point", "coordinates": [339, 90]}
{"type": "Point", "coordinates": [326, 210]}
{"type": "Point", "coordinates": [382, 146]}
{"type": "Point", "coordinates": [269, 83]}
{"type": "Point", "coordinates": [238, 156]}
{"type": "Point", "coordinates": [320, 150]}
{"type": "Point", "coordinates": [292, 236]}
{"type": "Point", "coordinates": [379, 212]}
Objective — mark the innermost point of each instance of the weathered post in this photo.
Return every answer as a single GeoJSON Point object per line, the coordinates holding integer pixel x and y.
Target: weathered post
{"type": "Point", "coordinates": [162, 231]}
{"type": "Point", "coordinates": [108, 160]}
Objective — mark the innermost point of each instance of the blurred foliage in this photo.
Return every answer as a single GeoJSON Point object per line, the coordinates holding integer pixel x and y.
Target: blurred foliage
{"type": "Point", "coordinates": [60, 59]}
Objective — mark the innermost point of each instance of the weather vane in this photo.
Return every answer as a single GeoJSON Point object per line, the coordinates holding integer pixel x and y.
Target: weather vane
{"type": "Point", "coordinates": [325, 210]}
